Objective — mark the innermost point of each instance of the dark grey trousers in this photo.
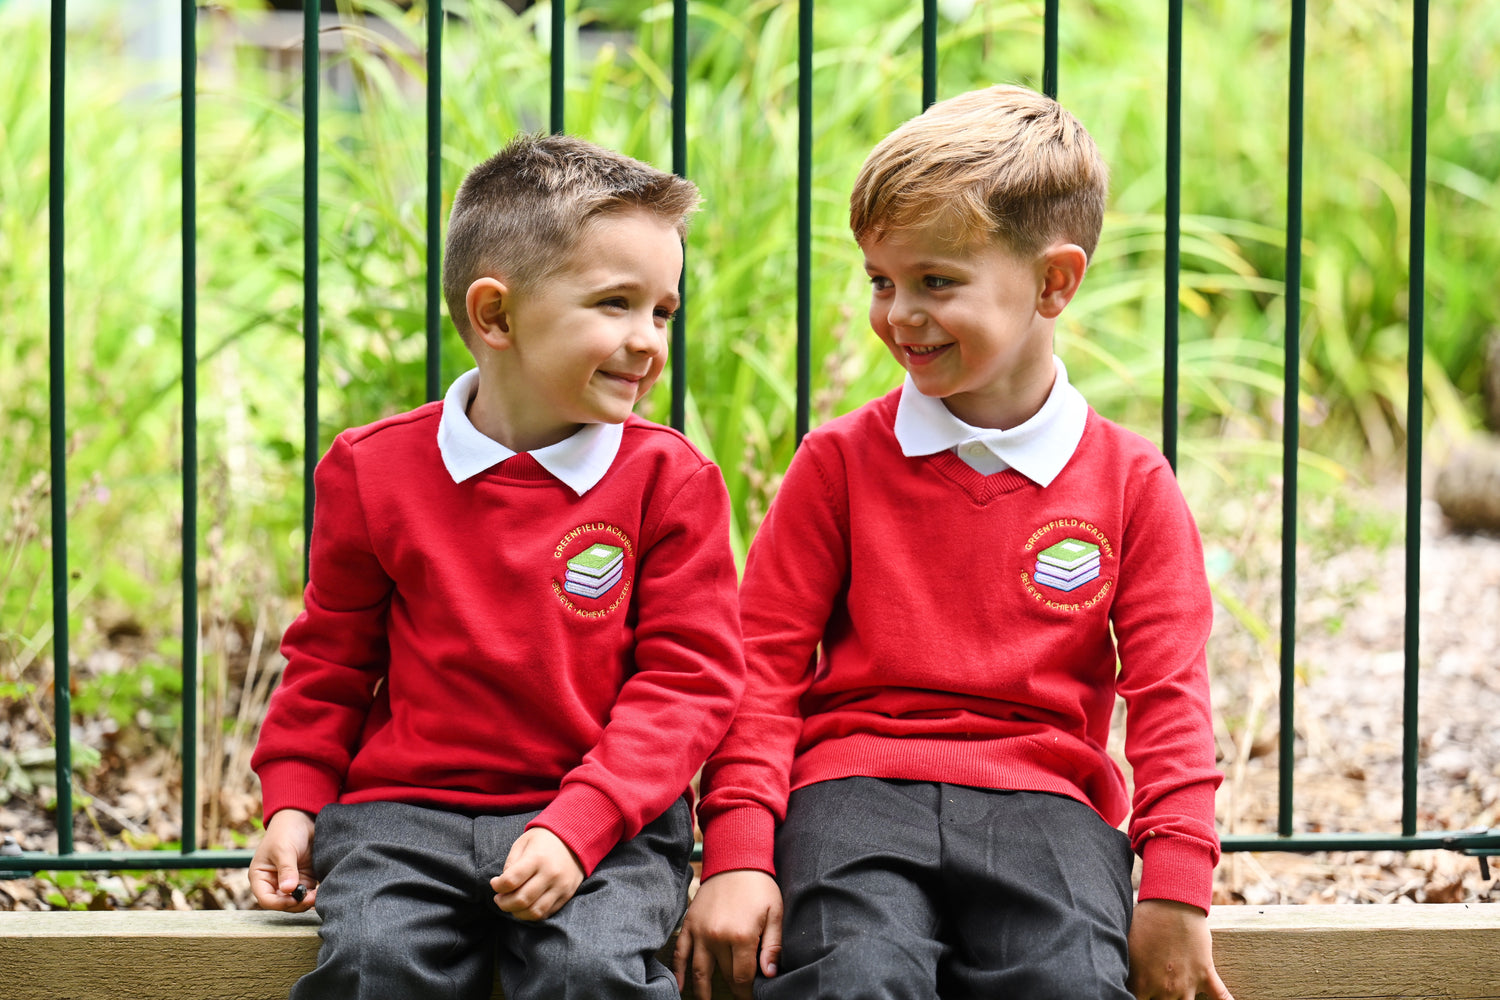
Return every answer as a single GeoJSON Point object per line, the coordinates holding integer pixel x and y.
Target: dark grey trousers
{"type": "Point", "coordinates": [899, 890]}
{"type": "Point", "coordinates": [408, 913]}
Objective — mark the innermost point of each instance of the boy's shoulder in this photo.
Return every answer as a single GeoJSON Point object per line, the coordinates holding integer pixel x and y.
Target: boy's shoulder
{"type": "Point", "coordinates": [642, 438]}
{"type": "Point", "coordinates": [398, 429]}
{"type": "Point", "coordinates": [869, 420]}
{"type": "Point", "coordinates": [1107, 443]}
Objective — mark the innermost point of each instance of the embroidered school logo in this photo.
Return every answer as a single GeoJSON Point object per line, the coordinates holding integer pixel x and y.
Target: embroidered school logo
{"type": "Point", "coordinates": [595, 566]}
{"type": "Point", "coordinates": [1069, 565]}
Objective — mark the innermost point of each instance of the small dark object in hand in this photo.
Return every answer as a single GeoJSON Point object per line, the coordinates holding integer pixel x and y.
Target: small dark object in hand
{"type": "Point", "coordinates": [299, 893]}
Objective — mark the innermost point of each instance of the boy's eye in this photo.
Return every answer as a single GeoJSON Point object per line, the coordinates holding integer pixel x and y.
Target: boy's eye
{"type": "Point", "coordinates": [662, 312]}
{"type": "Point", "coordinates": [935, 281]}
{"type": "Point", "coordinates": [615, 303]}
{"type": "Point", "coordinates": [879, 283]}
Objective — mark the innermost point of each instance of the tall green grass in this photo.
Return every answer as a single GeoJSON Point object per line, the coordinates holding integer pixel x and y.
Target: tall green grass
{"type": "Point", "coordinates": [123, 220]}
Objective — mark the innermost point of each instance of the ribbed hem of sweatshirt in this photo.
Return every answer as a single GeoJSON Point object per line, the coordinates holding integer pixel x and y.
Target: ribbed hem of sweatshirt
{"type": "Point", "coordinates": [296, 784]}
{"type": "Point", "coordinates": [1178, 869]}
{"type": "Point", "coordinates": [585, 819]}
{"type": "Point", "coordinates": [740, 838]}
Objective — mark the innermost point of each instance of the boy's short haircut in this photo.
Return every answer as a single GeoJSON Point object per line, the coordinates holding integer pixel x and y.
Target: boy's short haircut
{"type": "Point", "coordinates": [519, 214]}
{"type": "Point", "coordinates": [1004, 164]}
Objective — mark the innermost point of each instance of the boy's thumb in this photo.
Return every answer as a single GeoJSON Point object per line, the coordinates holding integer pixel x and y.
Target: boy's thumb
{"type": "Point", "coordinates": [288, 878]}
{"type": "Point", "coordinates": [770, 948]}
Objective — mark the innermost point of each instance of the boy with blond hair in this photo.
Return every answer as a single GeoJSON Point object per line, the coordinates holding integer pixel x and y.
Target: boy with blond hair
{"type": "Point", "coordinates": [951, 587]}
{"type": "Point", "coordinates": [521, 634]}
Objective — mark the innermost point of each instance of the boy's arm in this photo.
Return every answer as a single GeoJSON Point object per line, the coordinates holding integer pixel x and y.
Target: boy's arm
{"type": "Point", "coordinates": [1162, 615]}
{"type": "Point", "coordinates": [793, 576]}
{"type": "Point", "coordinates": [689, 672]}
{"type": "Point", "coordinates": [796, 569]}
{"type": "Point", "coordinates": [336, 651]}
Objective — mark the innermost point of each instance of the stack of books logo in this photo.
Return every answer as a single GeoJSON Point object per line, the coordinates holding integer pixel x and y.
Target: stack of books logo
{"type": "Point", "coordinates": [1068, 565]}
{"type": "Point", "coordinates": [594, 571]}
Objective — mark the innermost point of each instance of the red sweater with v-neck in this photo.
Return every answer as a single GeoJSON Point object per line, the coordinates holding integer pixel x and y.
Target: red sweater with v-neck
{"type": "Point", "coordinates": [970, 630]}
{"type": "Point", "coordinates": [503, 645]}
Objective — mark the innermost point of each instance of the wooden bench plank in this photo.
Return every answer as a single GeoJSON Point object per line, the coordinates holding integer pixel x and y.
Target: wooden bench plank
{"type": "Point", "coordinates": [1448, 951]}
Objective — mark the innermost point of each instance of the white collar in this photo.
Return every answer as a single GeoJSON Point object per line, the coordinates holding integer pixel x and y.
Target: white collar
{"type": "Point", "coordinates": [1038, 448]}
{"type": "Point", "coordinates": [580, 460]}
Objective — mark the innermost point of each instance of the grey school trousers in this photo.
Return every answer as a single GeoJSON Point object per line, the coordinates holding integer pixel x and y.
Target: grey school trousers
{"type": "Point", "coordinates": [408, 912]}
{"type": "Point", "coordinates": [898, 890]}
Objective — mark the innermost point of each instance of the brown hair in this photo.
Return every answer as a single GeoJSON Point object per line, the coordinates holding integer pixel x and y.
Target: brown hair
{"type": "Point", "coordinates": [1004, 164]}
{"type": "Point", "coordinates": [520, 213]}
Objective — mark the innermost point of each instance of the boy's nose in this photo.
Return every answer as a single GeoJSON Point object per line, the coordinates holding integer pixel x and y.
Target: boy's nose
{"type": "Point", "coordinates": [645, 337]}
{"type": "Point", "coordinates": [905, 312]}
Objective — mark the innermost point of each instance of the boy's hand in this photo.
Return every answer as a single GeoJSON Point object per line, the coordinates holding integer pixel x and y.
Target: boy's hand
{"type": "Point", "coordinates": [541, 874]}
{"type": "Point", "coordinates": [734, 919]}
{"type": "Point", "coordinates": [1171, 953]}
{"type": "Point", "coordinates": [283, 862]}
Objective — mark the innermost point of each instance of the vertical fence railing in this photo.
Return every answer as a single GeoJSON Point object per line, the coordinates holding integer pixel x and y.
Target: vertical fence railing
{"type": "Point", "coordinates": [1414, 350]}
{"type": "Point", "coordinates": [1172, 265]}
{"type": "Point", "coordinates": [434, 313]}
{"type": "Point", "coordinates": [192, 857]}
{"type": "Point", "coordinates": [57, 398]}
{"type": "Point", "coordinates": [679, 350]}
{"type": "Point", "coordinates": [1291, 416]}
{"type": "Point", "coordinates": [804, 213]}
{"type": "Point", "coordinates": [310, 445]}
{"type": "Point", "coordinates": [189, 427]}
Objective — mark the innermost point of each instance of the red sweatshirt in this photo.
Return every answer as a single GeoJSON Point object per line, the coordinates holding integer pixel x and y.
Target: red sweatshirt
{"type": "Point", "coordinates": [965, 629]}
{"type": "Point", "coordinates": [503, 644]}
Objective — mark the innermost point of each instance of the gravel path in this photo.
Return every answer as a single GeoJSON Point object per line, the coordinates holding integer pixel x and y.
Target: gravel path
{"type": "Point", "coordinates": [1347, 778]}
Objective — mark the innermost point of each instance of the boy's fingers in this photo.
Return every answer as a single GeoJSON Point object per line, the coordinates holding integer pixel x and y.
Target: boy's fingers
{"type": "Point", "coordinates": [680, 952]}
{"type": "Point", "coordinates": [703, 973]}
{"type": "Point", "coordinates": [742, 957]}
{"type": "Point", "coordinates": [1221, 992]}
{"type": "Point", "coordinates": [515, 874]}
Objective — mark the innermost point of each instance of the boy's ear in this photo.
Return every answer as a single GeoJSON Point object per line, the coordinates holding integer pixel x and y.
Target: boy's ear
{"type": "Point", "coordinates": [488, 304]}
{"type": "Point", "coordinates": [1063, 268]}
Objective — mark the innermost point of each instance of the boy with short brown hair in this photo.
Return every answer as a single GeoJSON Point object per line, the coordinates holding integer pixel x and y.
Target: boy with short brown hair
{"type": "Point", "coordinates": [520, 637]}
{"type": "Point", "coordinates": [951, 587]}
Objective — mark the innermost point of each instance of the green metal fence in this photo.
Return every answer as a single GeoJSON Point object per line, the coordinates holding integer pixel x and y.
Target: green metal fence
{"type": "Point", "coordinates": [192, 856]}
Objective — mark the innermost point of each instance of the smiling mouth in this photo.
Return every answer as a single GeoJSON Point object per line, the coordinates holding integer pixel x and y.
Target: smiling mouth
{"type": "Point", "coordinates": [632, 379]}
{"type": "Point", "coordinates": [923, 353]}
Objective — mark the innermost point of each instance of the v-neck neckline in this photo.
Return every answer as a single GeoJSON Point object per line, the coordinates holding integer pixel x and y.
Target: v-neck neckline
{"type": "Point", "coordinates": [980, 488]}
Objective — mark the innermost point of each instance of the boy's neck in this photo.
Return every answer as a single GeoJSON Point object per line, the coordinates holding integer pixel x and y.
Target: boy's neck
{"type": "Point", "coordinates": [1008, 405]}
{"type": "Point", "coordinates": [492, 418]}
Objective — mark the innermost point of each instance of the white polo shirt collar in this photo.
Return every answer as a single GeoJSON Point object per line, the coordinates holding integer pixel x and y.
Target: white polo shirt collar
{"type": "Point", "coordinates": [1038, 448]}
{"type": "Point", "coordinates": [579, 461]}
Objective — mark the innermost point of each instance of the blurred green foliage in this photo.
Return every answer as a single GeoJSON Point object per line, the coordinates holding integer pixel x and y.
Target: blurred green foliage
{"type": "Point", "coordinates": [123, 275]}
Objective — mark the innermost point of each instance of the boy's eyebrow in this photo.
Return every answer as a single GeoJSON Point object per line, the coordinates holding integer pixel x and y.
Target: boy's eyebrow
{"type": "Point", "coordinates": [629, 285]}
{"type": "Point", "coordinates": [926, 265]}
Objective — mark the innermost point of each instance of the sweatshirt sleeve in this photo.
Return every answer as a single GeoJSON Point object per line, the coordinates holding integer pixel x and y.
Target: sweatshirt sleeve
{"type": "Point", "coordinates": [1162, 617]}
{"type": "Point", "coordinates": [795, 572]}
{"type": "Point", "coordinates": [689, 674]}
{"type": "Point", "coordinates": [336, 651]}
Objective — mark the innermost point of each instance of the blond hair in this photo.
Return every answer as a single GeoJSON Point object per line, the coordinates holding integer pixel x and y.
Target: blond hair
{"type": "Point", "coordinates": [1004, 164]}
{"type": "Point", "coordinates": [520, 213]}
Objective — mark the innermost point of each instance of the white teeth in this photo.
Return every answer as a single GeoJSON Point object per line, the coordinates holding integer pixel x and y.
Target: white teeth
{"type": "Point", "coordinates": [922, 350]}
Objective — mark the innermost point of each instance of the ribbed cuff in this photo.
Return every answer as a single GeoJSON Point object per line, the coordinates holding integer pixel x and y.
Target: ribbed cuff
{"type": "Point", "coordinates": [1178, 869]}
{"type": "Point", "coordinates": [740, 838]}
{"type": "Point", "coordinates": [289, 783]}
{"type": "Point", "coordinates": [585, 819]}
